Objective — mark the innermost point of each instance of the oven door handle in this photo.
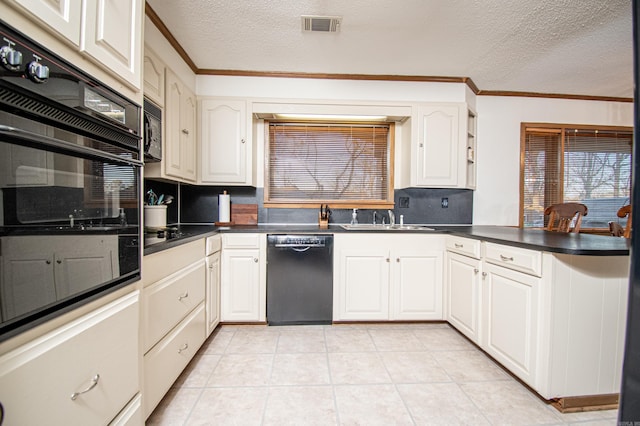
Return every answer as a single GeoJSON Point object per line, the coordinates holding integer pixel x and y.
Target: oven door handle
{"type": "Point", "coordinates": [35, 140]}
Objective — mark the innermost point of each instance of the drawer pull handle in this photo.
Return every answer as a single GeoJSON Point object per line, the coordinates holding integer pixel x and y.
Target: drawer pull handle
{"type": "Point", "coordinates": [183, 296]}
{"type": "Point", "coordinates": [93, 384]}
{"type": "Point", "coordinates": [255, 260]}
{"type": "Point", "coordinates": [185, 131]}
{"type": "Point", "coordinates": [476, 270]}
{"type": "Point", "coordinates": [506, 259]}
{"type": "Point", "coordinates": [484, 274]}
{"type": "Point", "coordinates": [183, 348]}
{"type": "Point", "coordinates": [458, 245]}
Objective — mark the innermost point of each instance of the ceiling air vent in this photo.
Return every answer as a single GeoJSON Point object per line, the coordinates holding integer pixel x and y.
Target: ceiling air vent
{"type": "Point", "coordinates": [321, 24]}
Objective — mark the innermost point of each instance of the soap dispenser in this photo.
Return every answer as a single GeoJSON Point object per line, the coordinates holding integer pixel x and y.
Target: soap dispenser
{"type": "Point", "coordinates": [354, 217]}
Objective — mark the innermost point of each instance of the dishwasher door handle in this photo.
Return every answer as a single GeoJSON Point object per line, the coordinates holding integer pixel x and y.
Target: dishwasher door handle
{"type": "Point", "coordinates": [298, 247]}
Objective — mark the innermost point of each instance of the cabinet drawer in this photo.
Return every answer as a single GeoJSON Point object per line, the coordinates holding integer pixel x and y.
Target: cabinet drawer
{"type": "Point", "coordinates": [527, 261]}
{"type": "Point", "coordinates": [37, 380]}
{"type": "Point", "coordinates": [464, 246]}
{"type": "Point", "coordinates": [156, 266]}
{"type": "Point", "coordinates": [241, 240]}
{"type": "Point", "coordinates": [168, 301]}
{"type": "Point", "coordinates": [164, 363]}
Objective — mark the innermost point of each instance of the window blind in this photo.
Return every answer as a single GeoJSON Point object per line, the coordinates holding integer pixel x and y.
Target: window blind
{"type": "Point", "coordinates": [329, 163]}
{"type": "Point", "coordinates": [588, 166]}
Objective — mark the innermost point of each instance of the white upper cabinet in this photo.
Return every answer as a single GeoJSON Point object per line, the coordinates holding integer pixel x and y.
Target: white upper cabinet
{"type": "Point", "coordinates": [113, 36]}
{"type": "Point", "coordinates": [226, 152]}
{"type": "Point", "coordinates": [179, 150]}
{"type": "Point", "coordinates": [442, 150]}
{"type": "Point", "coordinates": [62, 16]}
{"type": "Point", "coordinates": [153, 77]}
{"type": "Point", "coordinates": [107, 31]}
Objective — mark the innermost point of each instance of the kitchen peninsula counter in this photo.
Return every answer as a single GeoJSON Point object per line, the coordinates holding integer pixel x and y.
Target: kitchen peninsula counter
{"type": "Point", "coordinates": [535, 239]}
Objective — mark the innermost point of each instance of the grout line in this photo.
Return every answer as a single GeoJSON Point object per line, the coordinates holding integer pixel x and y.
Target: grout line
{"type": "Point", "coordinates": [333, 387]}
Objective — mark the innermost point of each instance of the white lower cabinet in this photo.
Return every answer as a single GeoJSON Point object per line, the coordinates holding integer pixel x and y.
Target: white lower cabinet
{"type": "Point", "coordinates": [170, 299]}
{"type": "Point", "coordinates": [416, 284]}
{"type": "Point", "coordinates": [363, 282]}
{"type": "Point", "coordinates": [387, 277]}
{"type": "Point", "coordinates": [164, 363]}
{"type": "Point", "coordinates": [84, 372]}
{"type": "Point", "coordinates": [510, 308]}
{"type": "Point", "coordinates": [463, 294]}
{"type": "Point", "coordinates": [243, 278]}
{"type": "Point", "coordinates": [173, 324]}
{"type": "Point", "coordinates": [555, 321]}
{"type": "Point", "coordinates": [213, 283]}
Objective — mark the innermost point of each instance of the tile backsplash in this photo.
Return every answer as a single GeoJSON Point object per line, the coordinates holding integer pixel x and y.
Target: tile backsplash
{"type": "Point", "coordinates": [199, 204]}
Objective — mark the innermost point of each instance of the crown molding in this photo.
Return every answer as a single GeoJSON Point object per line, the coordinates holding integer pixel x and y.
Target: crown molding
{"type": "Point", "coordinates": [552, 95]}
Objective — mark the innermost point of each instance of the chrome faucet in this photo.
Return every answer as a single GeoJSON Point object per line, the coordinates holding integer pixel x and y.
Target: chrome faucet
{"type": "Point", "coordinates": [392, 218]}
{"type": "Point", "coordinates": [375, 213]}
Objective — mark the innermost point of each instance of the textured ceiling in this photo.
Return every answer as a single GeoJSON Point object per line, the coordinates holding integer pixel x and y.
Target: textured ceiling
{"type": "Point", "coordinates": [577, 47]}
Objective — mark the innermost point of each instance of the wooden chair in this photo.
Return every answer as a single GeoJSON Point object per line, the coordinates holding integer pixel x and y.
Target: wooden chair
{"type": "Point", "coordinates": [564, 214]}
{"type": "Point", "coordinates": [625, 211]}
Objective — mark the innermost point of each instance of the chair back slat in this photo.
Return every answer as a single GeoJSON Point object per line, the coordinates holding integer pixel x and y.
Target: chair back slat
{"type": "Point", "coordinates": [564, 214]}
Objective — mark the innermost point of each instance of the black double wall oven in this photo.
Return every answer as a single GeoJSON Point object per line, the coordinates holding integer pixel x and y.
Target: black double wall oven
{"type": "Point", "coordinates": [70, 173]}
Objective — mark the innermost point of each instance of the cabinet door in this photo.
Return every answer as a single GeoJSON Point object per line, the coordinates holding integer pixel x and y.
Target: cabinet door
{"type": "Point", "coordinates": [463, 294]}
{"type": "Point", "coordinates": [113, 36]}
{"type": "Point", "coordinates": [27, 276]}
{"type": "Point", "coordinates": [224, 141]}
{"type": "Point", "coordinates": [240, 290]}
{"type": "Point", "coordinates": [188, 135]}
{"type": "Point", "coordinates": [153, 77]}
{"type": "Point", "coordinates": [510, 319]}
{"type": "Point", "coordinates": [438, 149]}
{"type": "Point", "coordinates": [83, 262]}
{"type": "Point", "coordinates": [363, 284]}
{"type": "Point", "coordinates": [213, 292]}
{"type": "Point", "coordinates": [416, 285]}
{"type": "Point", "coordinates": [62, 16]}
{"type": "Point", "coordinates": [172, 150]}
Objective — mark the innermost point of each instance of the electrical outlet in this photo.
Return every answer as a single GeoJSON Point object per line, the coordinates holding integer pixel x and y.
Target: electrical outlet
{"type": "Point", "coordinates": [444, 203]}
{"type": "Point", "coordinates": [403, 202]}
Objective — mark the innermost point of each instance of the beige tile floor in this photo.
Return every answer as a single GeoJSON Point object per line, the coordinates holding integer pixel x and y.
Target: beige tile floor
{"type": "Point", "coordinates": [386, 374]}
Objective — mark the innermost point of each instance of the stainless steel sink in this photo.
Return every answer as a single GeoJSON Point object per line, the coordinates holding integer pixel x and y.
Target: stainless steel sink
{"type": "Point", "coordinates": [376, 227]}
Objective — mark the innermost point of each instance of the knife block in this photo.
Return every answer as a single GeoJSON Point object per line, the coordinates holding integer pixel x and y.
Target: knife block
{"type": "Point", "coordinates": [323, 223]}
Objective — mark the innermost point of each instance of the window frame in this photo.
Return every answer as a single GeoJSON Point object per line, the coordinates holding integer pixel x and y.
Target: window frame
{"type": "Point", "coordinates": [347, 204]}
{"type": "Point", "coordinates": [558, 129]}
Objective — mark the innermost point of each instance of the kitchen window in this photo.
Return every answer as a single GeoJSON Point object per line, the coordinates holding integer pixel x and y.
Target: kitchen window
{"type": "Point", "coordinates": [342, 164]}
{"type": "Point", "coordinates": [584, 164]}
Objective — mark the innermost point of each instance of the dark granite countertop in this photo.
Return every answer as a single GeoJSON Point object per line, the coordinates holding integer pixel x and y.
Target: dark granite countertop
{"type": "Point", "coordinates": [575, 244]}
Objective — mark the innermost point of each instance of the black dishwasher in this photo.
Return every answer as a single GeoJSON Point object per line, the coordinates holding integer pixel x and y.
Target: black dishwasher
{"type": "Point", "coordinates": [299, 279]}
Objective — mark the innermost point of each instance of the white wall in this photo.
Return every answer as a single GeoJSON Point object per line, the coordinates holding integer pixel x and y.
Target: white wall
{"type": "Point", "coordinates": [349, 90]}
{"type": "Point", "coordinates": [496, 200]}
{"type": "Point", "coordinates": [155, 40]}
